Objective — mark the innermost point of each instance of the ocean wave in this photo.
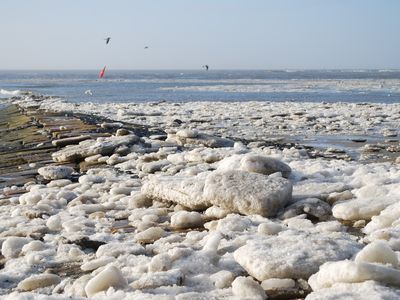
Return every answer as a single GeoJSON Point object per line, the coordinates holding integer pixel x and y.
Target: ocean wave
{"type": "Point", "coordinates": [299, 86]}
{"type": "Point", "coordinates": [10, 93]}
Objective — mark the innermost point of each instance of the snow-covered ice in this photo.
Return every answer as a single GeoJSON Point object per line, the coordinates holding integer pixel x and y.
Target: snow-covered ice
{"type": "Point", "coordinates": [208, 210]}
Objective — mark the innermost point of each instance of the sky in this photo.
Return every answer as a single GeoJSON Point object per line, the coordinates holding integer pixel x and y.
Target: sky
{"type": "Point", "coordinates": [186, 34]}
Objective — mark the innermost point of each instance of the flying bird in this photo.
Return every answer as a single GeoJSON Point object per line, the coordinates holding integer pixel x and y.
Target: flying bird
{"type": "Point", "coordinates": [206, 67]}
{"type": "Point", "coordinates": [89, 92]}
{"type": "Point", "coordinates": [107, 40]}
{"type": "Point", "coordinates": [147, 47]}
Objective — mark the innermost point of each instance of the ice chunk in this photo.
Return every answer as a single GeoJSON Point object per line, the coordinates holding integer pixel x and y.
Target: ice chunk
{"type": "Point", "coordinates": [109, 277]}
{"type": "Point", "coordinates": [278, 283]}
{"type": "Point", "coordinates": [33, 246]}
{"type": "Point", "coordinates": [32, 197]}
{"type": "Point", "coordinates": [230, 163]}
{"type": "Point", "coordinates": [207, 155]}
{"type": "Point", "coordinates": [347, 271]}
{"type": "Point", "coordinates": [339, 196]}
{"type": "Point", "coordinates": [247, 288]}
{"type": "Point", "coordinates": [90, 179]}
{"type": "Point", "coordinates": [361, 209]}
{"type": "Point", "coordinates": [160, 262]}
{"type": "Point", "coordinates": [187, 133]}
{"type": "Point", "coordinates": [97, 263]}
{"type": "Point", "coordinates": [185, 219]}
{"type": "Point", "coordinates": [356, 291]}
{"type": "Point", "coordinates": [370, 201]}
{"type": "Point", "coordinates": [193, 262]}
{"type": "Point", "coordinates": [233, 222]}
{"type": "Point", "coordinates": [77, 287]}
{"type": "Point", "coordinates": [55, 172]}
{"type": "Point", "coordinates": [212, 243]}
{"type": "Point", "coordinates": [215, 212]}
{"type": "Point", "coordinates": [157, 279]}
{"type": "Point", "coordinates": [38, 281]}
{"type": "Point", "coordinates": [122, 190]}
{"type": "Point", "coordinates": [150, 235]}
{"type": "Point", "coordinates": [247, 193]}
{"type": "Point", "coordinates": [385, 219]}
{"type": "Point", "coordinates": [299, 223]}
{"type": "Point", "coordinates": [269, 228]}
{"type": "Point", "coordinates": [154, 166]}
{"type": "Point", "coordinates": [187, 191]}
{"type": "Point", "coordinates": [317, 188]}
{"type": "Point", "coordinates": [377, 252]}
{"type": "Point", "coordinates": [54, 223]}
{"type": "Point", "coordinates": [264, 165]}
{"type": "Point", "coordinates": [222, 279]}
{"type": "Point", "coordinates": [59, 183]}
{"type": "Point", "coordinates": [138, 201]}
{"type": "Point", "coordinates": [116, 249]}
{"type": "Point", "coordinates": [292, 254]}
{"type": "Point", "coordinates": [88, 148]}
{"type": "Point", "coordinates": [313, 207]}
{"type": "Point", "coordinates": [65, 194]}
{"type": "Point", "coordinates": [12, 246]}
{"type": "Point", "coordinates": [200, 139]}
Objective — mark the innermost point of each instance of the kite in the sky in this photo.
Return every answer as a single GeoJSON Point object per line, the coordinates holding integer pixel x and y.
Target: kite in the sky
{"type": "Point", "coordinates": [107, 40]}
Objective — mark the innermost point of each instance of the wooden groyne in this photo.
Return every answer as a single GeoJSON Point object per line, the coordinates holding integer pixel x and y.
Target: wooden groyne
{"type": "Point", "coordinates": [26, 140]}
{"type": "Point", "coordinates": [28, 137]}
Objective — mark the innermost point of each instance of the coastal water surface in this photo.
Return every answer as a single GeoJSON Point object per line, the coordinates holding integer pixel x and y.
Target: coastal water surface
{"type": "Point", "coordinates": [379, 86]}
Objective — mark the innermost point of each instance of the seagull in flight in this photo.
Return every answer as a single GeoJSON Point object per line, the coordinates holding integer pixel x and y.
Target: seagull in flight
{"type": "Point", "coordinates": [107, 40]}
{"type": "Point", "coordinates": [206, 67]}
{"type": "Point", "coordinates": [147, 47]}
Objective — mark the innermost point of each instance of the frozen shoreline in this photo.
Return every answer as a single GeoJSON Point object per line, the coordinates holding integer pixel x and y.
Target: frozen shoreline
{"type": "Point", "coordinates": [365, 131]}
{"type": "Point", "coordinates": [192, 215]}
{"type": "Point", "coordinates": [239, 119]}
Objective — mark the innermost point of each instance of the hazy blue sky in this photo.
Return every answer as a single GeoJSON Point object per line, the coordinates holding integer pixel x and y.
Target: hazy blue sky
{"type": "Point", "coordinates": [185, 34]}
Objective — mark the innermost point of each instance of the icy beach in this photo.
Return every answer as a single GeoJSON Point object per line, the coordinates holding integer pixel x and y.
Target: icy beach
{"type": "Point", "coordinates": [210, 208]}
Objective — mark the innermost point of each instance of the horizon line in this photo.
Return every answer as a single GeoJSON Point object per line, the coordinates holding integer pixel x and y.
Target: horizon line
{"type": "Point", "coordinates": [216, 69]}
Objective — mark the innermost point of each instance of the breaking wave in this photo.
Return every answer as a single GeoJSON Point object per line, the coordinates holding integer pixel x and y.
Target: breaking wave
{"type": "Point", "coordinates": [10, 93]}
{"type": "Point", "coordinates": [298, 86]}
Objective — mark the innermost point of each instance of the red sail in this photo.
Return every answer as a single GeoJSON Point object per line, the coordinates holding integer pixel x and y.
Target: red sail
{"type": "Point", "coordinates": [102, 72]}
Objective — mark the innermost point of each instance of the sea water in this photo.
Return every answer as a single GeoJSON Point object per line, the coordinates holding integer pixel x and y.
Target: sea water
{"type": "Point", "coordinates": [379, 86]}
